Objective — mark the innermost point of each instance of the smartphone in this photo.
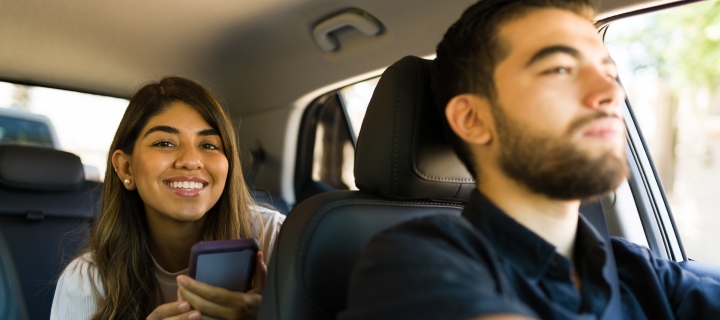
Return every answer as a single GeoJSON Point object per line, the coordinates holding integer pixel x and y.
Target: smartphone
{"type": "Point", "coordinates": [228, 264]}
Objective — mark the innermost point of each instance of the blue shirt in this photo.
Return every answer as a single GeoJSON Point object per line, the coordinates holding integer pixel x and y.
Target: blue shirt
{"type": "Point", "coordinates": [448, 267]}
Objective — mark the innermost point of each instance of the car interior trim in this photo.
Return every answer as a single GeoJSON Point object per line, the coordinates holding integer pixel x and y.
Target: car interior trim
{"type": "Point", "coordinates": [651, 193]}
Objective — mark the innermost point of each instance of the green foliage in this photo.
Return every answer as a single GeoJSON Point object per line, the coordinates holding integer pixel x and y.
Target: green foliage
{"type": "Point", "coordinates": [681, 44]}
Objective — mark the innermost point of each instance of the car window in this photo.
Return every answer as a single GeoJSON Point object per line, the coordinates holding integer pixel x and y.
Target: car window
{"type": "Point", "coordinates": [355, 99]}
{"type": "Point", "coordinates": [668, 62]}
{"type": "Point", "coordinates": [328, 134]}
{"type": "Point", "coordinates": [333, 153]}
{"type": "Point", "coordinates": [80, 123]}
{"type": "Point", "coordinates": [17, 130]}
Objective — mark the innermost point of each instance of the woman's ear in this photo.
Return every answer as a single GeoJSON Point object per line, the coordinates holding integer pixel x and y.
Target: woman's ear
{"type": "Point", "coordinates": [468, 116]}
{"type": "Point", "coordinates": [121, 162]}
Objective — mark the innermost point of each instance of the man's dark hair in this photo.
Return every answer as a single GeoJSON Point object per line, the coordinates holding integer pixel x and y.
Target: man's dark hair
{"type": "Point", "coordinates": [471, 49]}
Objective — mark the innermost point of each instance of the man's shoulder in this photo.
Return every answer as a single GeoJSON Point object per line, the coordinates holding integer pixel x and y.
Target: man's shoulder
{"type": "Point", "coordinates": [624, 248]}
{"type": "Point", "coordinates": [430, 231]}
{"type": "Point", "coordinates": [435, 267]}
{"type": "Point", "coordinates": [441, 240]}
{"type": "Point", "coordinates": [439, 222]}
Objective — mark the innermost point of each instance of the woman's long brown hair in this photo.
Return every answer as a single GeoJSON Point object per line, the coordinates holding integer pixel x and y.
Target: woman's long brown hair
{"type": "Point", "coordinates": [118, 236]}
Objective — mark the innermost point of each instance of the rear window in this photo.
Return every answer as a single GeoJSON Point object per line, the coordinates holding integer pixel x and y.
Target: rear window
{"type": "Point", "coordinates": [26, 132]}
{"type": "Point", "coordinates": [80, 123]}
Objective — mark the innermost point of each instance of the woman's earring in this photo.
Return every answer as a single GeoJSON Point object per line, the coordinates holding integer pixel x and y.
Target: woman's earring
{"type": "Point", "coordinates": [126, 181]}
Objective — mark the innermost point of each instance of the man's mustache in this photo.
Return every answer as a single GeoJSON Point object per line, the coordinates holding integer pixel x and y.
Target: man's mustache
{"type": "Point", "coordinates": [579, 123]}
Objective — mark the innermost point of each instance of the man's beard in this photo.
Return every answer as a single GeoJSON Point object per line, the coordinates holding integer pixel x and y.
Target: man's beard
{"type": "Point", "coordinates": [554, 166]}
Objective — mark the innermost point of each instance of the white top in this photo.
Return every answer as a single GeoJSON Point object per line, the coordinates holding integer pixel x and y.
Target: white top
{"type": "Point", "coordinates": [74, 297]}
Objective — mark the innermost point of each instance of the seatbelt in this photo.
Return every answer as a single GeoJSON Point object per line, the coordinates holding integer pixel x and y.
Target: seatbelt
{"type": "Point", "coordinates": [594, 213]}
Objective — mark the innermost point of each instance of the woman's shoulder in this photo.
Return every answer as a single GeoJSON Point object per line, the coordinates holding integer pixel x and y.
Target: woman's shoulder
{"type": "Point", "coordinates": [271, 217]}
{"type": "Point", "coordinates": [272, 221]}
{"type": "Point", "coordinates": [76, 287]}
{"type": "Point", "coordinates": [80, 276]}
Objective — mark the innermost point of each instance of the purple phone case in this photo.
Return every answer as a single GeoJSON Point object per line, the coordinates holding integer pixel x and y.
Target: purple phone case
{"type": "Point", "coordinates": [229, 264]}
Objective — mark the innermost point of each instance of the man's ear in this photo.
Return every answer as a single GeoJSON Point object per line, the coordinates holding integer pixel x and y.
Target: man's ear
{"type": "Point", "coordinates": [121, 162]}
{"type": "Point", "coordinates": [469, 117]}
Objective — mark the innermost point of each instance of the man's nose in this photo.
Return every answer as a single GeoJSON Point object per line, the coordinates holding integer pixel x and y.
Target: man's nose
{"type": "Point", "coordinates": [188, 158]}
{"type": "Point", "coordinates": [603, 92]}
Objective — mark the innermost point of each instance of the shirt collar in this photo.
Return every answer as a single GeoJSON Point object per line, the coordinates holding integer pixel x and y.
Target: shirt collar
{"type": "Point", "coordinates": [527, 251]}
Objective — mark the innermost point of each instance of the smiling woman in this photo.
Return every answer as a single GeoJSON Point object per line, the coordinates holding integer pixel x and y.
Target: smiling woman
{"type": "Point", "coordinates": [178, 166]}
{"type": "Point", "coordinates": [173, 179]}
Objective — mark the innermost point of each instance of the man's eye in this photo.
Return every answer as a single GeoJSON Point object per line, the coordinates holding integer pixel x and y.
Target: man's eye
{"type": "Point", "coordinates": [558, 70]}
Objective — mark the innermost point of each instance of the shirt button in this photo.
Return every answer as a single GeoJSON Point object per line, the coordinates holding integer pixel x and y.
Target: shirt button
{"type": "Point", "coordinates": [554, 263]}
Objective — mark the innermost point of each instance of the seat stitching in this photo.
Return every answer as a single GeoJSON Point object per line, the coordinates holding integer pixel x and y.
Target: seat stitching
{"type": "Point", "coordinates": [396, 134]}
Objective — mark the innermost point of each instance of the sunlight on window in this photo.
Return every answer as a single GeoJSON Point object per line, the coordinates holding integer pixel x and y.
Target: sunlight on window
{"type": "Point", "coordinates": [84, 123]}
{"type": "Point", "coordinates": [668, 63]}
{"type": "Point", "coordinates": [356, 99]}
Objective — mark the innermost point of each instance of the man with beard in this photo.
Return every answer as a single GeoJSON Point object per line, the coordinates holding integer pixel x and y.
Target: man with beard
{"type": "Point", "coordinates": [532, 108]}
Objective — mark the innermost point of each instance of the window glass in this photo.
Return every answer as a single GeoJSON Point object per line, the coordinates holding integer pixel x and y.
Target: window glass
{"type": "Point", "coordinates": [16, 130]}
{"type": "Point", "coordinates": [333, 154]}
{"type": "Point", "coordinates": [83, 124]}
{"type": "Point", "coordinates": [356, 98]}
{"type": "Point", "coordinates": [669, 64]}
{"type": "Point", "coordinates": [334, 120]}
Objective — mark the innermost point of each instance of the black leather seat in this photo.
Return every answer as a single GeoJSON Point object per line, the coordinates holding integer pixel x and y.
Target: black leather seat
{"type": "Point", "coordinates": [12, 306]}
{"type": "Point", "coordinates": [404, 169]}
{"type": "Point", "coordinates": [46, 207]}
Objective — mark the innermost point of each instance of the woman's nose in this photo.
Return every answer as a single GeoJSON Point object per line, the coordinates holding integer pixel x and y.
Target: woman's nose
{"type": "Point", "coordinates": [188, 159]}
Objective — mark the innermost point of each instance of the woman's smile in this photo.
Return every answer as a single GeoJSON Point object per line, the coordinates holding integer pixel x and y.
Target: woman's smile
{"type": "Point", "coordinates": [186, 186]}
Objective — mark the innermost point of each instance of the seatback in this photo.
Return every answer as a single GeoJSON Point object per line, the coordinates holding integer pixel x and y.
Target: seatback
{"type": "Point", "coordinates": [12, 306]}
{"type": "Point", "coordinates": [404, 169]}
{"type": "Point", "coordinates": [46, 207]}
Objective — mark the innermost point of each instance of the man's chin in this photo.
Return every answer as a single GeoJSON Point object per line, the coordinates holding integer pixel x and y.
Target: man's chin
{"type": "Point", "coordinates": [595, 148]}
{"type": "Point", "coordinates": [570, 175]}
{"type": "Point", "coordinates": [598, 178]}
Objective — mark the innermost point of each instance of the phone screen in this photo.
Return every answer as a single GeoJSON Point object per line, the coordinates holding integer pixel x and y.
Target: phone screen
{"type": "Point", "coordinates": [227, 264]}
{"type": "Point", "coordinates": [221, 269]}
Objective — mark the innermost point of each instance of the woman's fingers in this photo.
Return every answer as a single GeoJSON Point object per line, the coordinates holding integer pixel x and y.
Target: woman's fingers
{"type": "Point", "coordinates": [206, 291]}
{"type": "Point", "coordinates": [190, 315]}
{"type": "Point", "coordinates": [217, 302]}
{"type": "Point", "coordinates": [171, 309]}
{"type": "Point", "coordinates": [259, 276]}
{"type": "Point", "coordinates": [210, 301]}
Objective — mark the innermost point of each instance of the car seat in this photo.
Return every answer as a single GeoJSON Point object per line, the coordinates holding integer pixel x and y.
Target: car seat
{"type": "Point", "coordinates": [404, 169]}
{"type": "Point", "coordinates": [46, 207]}
{"type": "Point", "coordinates": [12, 306]}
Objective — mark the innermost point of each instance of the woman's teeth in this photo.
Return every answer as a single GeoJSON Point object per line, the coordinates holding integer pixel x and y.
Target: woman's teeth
{"type": "Point", "coordinates": [186, 184]}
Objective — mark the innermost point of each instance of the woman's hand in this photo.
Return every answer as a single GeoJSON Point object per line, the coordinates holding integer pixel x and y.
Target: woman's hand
{"type": "Point", "coordinates": [178, 310]}
{"type": "Point", "coordinates": [218, 303]}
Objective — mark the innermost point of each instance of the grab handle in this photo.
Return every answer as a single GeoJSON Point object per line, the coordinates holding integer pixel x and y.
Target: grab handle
{"type": "Point", "coordinates": [361, 21]}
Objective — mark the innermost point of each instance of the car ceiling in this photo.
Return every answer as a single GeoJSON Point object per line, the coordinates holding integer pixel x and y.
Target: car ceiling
{"type": "Point", "coordinates": [258, 55]}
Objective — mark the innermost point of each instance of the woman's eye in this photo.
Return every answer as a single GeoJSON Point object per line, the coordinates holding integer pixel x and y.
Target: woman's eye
{"type": "Point", "coordinates": [163, 144]}
{"type": "Point", "coordinates": [209, 146]}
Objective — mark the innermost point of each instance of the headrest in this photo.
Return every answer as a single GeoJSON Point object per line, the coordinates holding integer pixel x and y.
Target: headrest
{"type": "Point", "coordinates": [36, 168]}
{"type": "Point", "coordinates": [401, 150]}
